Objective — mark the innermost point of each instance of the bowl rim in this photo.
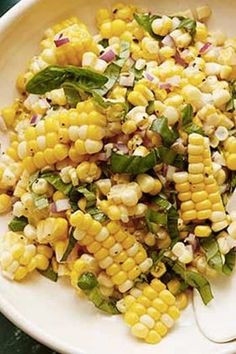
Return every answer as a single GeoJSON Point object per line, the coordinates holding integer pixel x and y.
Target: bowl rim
{"type": "Point", "coordinates": [6, 308]}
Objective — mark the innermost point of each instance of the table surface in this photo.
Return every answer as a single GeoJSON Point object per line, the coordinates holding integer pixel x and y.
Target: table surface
{"type": "Point", "coordinates": [12, 339]}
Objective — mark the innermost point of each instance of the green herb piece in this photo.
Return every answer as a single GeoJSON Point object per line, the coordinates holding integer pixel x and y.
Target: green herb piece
{"type": "Point", "coordinates": [87, 281]}
{"type": "Point", "coordinates": [153, 219]}
{"type": "Point", "coordinates": [124, 53]}
{"type": "Point", "coordinates": [150, 108]}
{"type": "Point", "coordinates": [145, 21]}
{"type": "Point", "coordinates": [116, 110]}
{"type": "Point", "coordinates": [72, 94]}
{"type": "Point", "coordinates": [71, 244]}
{"type": "Point", "coordinates": [168, 135]}
{"type": "Point", "coordinates": [104, 42]}
{"type": "Point", "coordinates": [49, 273]}
{"type": "Point", "coordinates": [33, 178]}
{"type": "Point", "coordinates": [230, 106]}
{"type": "Point", "coordinates": [56, 181]}
{"type": "Point", "coordinates": [97, 214]}
{"type": "Point", "coordinates": [88, 194]}
{"type": "Point", "coordinates": [132, 164]}
{"type": "Point", "coordinates": [40, 201]}
{"type": "Point", "coordinates": [18, 224]}
{"type": "Point", "coordinates": [89, 284]}
{"type": "Point", "coordinates": [169, 157]}
{"type": "Point", "coordinates": [229, 264]}
{"type": "Point", "coordinates": [172, 223]}
{"type": "Point", "coordinates": [193, 279]}
{"type": "Point", "coordinates": [233, 181]}
{"type": "Point", "coordinates": [157, 256]}
{"type": "Point", "coordinates": [53, 77]}
{"type": "Point", "coordinates": [138, 74]}
{"type": "Point", "coordinates": [213, 254]}
{"type": "Point", "coordinates": [189, 25]}
{"type": "Point", "coordinates": [162, 202]}
{"type": "Point", "coordinates": [112, 72]}
{"type": "Point", "coordinates": [187, 121]}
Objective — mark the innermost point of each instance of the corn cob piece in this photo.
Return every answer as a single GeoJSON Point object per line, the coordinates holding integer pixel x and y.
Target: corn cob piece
{"type": "Point", "coordinates": [197, 189]}
{"type": "Point", "coordinates": [78, 40]}
{"type": "Point", "coordinates": [18, 256]}
{"type": "Point", "coordinates": [150, 311]}
{"type": "Point", "coordinates": [117, 252]}
{"type": "Point", "coordinates": [230, 153]}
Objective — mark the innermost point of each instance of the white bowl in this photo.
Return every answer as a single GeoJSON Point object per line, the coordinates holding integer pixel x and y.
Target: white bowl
{"type": "Point", "coordinates": [50, 312]}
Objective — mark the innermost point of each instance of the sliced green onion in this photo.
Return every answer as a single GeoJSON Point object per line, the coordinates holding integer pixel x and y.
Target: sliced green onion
{"type": "Point", "coordinates": [18, 224]}
{"type": "Point", "coordinates": [49, 273]}
{"type": "Point", "coordinates": [132, 164]}
{"type": "Point", "coordinates": [56, 181]}
{"type": "Point", "coordinates": [71, 244]}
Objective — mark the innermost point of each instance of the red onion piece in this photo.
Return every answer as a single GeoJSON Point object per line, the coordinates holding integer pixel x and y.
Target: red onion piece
{"type": "Point", "coordinates": [122, 147]}
{"type": "Point", "coordinates": [53, 208]}
{"type": "Point", "coordinates": [168, 41]}
{"type": "Point", "coordinates": [34, 119]}
{"type": "Point", "coordinates": [102, 156]}
{"type": "Point", "coordinates": [3, 126]}
{"type": "Point", "coordinates": [205, 48]}
{"type": "Point", "coordinates": [165, 86]}
{"type": "Point", "coordinates": [61, 41]}
{"type": "Point", "coordinates": [179, 60]}
{"type": "Point", "coordinates": [62, 205]}
{"type": "Point", "coordinates": [148, 76]}
{"type": "Point", "coordinates": [108, 56]}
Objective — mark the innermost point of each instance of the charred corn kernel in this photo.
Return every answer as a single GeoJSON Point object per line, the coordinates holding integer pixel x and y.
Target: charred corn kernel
{"type": "Point", "coordinates": [5, 203]}
{"type": "Point", "coordinates": [143, 313]}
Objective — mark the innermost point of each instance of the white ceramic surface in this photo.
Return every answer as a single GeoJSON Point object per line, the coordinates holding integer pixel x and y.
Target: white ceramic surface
{"type": "Point", "coordinates": [51, 312]}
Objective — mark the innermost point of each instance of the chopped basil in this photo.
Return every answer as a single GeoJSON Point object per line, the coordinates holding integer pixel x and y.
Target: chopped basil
{"type": "Point", "coordinates": [112, 72]}
{"type": "Point", "coordinates": [53, 77]}
{"type": "Point", "coordinates": [138, 74]}
{"type": "Point", "coordinates": [116, 110]}
{"type": "Point", "coordinates": [213, 254]}
{"type": "Point", "coordinates": [168, 135]}
{"type": "Point", "coordinates": [89, 284]}
{"type": "Point", "coordinates": [187, 121]}
{"type": "Point", "coordinates": [18, 224]}
{"type": "Point", "coordinates": [132, 164]}
{"type": "Point", "coordinates": [124, 53]}
{"type": "Point", "coordinates": [49, 273]}
{"type": "Point", "coordinates": [145, 21]}
{"type": "Point", "coordinates": [189, 25]}
{"type": "Point", "coordinates": [72, 94]}
{"type": "Point", "coordinates": [87, 281]}
{"type": "Point", "coordinates": [229, 264]}
{"type": "Point", "coordinates": [89, 194]}
{"type": "Point", "coordinates": [162, 202]}
{"type": "Point", "coordinates": [193, 279]}
{"type": "Point", "coordinates": [169, 157]}
{"type": "Point", "coordinates": [97, 214]}
{"type": "Point", "coordinates": [71, 244]}
{"type": "Point", "coordinates": [104, 42]}
{"type": "Point", "coordinates": [230, 106]}
{"type": "Point", "coordinates": [56, 181]}
{"type": "Point", "coordinates": [172, 223]}
{"type": "Point", "coordinates": [154, 218]}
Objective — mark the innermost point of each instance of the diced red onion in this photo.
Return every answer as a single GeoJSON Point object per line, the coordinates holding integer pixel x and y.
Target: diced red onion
{"type": "Point", "coordinates": [62, 205]}
{"type": "Point", "coordinates": [179, 60]}
{"type": "Point", "coordinates": [102, 156]}
{"type": "Point", "coordinates": [35, 119]}
{"type": "Point", "coordinates": [108, 56]}
{"type": "Point", "coordinates": [61, 41]}
{"type": "Point", "coordinates": [168, 41]}
{"type": "Point", "coordinates": [3, 126]}
{"type": "Point", "coordinates": [165, 86]}
{"type": "Point", "coordinates": [205, 48]}
{"type": "Point", "coordinates": [148, 76]}
{"type": "Point", "coordinates": [53, 208]}
{"type": "Point", "coordinates": [123, 148]}
{"type": "Point", "coordinates": [193, 241]}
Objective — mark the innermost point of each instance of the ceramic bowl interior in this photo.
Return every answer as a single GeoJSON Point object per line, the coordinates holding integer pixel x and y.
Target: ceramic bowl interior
{"type": "Point", "coordinates": [52, 313]}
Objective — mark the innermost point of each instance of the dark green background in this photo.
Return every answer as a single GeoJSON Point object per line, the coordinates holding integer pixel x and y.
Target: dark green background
{"type": "Point", "coordinates": [13, 340]}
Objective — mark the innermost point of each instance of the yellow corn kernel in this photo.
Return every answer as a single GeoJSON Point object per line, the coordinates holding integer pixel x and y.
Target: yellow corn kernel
{"type": "Point", "coordinates": [5, 203]}
{"type": "Point", "coordinates": [181, 301]}
{"type": "Point", "coordinates": [202, 231]}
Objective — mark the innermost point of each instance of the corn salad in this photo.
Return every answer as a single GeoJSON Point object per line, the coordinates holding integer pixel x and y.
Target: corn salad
{"type": "Point", "coordinates": [120, 171]}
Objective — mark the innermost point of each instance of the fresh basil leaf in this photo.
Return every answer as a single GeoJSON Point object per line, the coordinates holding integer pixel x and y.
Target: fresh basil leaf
{"type": "Point", "coordinates": [124, 53]}
{"type": "Point", "coordinates": [168, 135]}
{"type": "Point", "coordinates": [154, 218]}
{"type": "Point", "coordinates": [172, 223]}
{"type": "Point", "coordinates": [112, 73]}
{"type": "Point", "coordinates": [157, 256]}
{"type": "Point", "coordinates": [230, 259]}
{"type": "Point", "coordinates": [230, 106]}
{"type": "Point", "coordinates": [49, 273]}
{"type": "Point", "coordinates": [18, 224]}
{"type": "Point", "coordinates": [116, 110]}
{"type": "Point", "coordinates": [56, 181]}
{"type": "Point", "coordinates": [89, 195]}
{"type": "Point", "coordinates": [53, 77]}
{"type": "Point", "coordinates": [187, 115]}
{"type": "Point", "coordinates": [213, 254]}
{"type": "Point", "coordinates": [89, 284]}
{"type": "Point", "coordinates": [104, 42]}
{"type": "Point", "coordinates": [189, 25]}
{"type": "Point", "coordinates": [132, 164]}
{"type": "Point", "coordinates": [145, 21]}
{"type": "Point", "coordinates": [193, 128]}
{"type": "Point", "coordinates": [97, 214]}
{"type": "Point", "coordinates": [193, 279]}
{"type": "Point", "coordinates": [71, 244]}
{"type": "Point", "coordinates": [138, 74]}
{"type": "Point", "coordinates": [169, 157]}
{"type": "Point", "coordinates": [72, 93]}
